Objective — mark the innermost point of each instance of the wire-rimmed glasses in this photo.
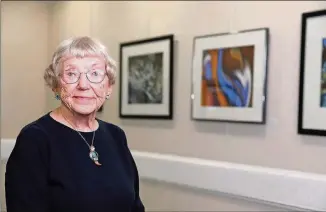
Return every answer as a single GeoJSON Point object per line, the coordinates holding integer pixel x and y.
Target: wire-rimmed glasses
{"type": "Point", "coordinates": [94, 76]}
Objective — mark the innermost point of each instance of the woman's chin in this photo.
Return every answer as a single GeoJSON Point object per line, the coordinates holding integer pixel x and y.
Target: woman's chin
{"type": "Point", "coordinates": [84, 109]}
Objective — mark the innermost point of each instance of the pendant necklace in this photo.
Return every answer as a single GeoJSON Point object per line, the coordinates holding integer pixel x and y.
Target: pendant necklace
{"type": "Point", "coordinates": [92, 153]}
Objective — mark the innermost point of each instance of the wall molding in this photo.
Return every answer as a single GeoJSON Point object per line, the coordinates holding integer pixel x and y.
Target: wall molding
{"type": "Point", "coordinates": [6, 147]}
{"type": "Point", "coordinates": [276, 186]}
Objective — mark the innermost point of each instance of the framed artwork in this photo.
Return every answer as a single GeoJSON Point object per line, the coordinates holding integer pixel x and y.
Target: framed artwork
{"type": "Point", "coordinates": [312, 84]}
{"type": "Point", "coordinates": [146, 78]}
{"type": "Point", "coordinates": [229, 76]}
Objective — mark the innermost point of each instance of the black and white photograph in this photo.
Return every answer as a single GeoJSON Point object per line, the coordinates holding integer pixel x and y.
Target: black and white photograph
{"type": "Point", "coordinates": [145, 85]}
{"type": "Point", "coordinates": [146, 78]}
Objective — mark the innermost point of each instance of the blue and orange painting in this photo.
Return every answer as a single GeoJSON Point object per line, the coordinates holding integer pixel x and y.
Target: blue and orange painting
{"type": "Point", "coordinates": [323, 75]}
{"type": "Point", "coordinates": [227, 77]}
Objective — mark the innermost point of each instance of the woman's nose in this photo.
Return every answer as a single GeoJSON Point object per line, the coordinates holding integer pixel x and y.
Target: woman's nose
{"type": "Point", "coordinates": [83, 81]}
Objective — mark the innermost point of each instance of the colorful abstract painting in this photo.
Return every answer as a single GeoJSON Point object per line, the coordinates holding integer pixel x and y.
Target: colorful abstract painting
{"type": "Point", "coordinates": [323, 75]}
{"type": "Point", "coordinates": [227, 77]}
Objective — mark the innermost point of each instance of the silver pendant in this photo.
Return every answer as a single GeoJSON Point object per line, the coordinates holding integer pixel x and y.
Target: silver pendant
{"type": "Point", "coordinates": [94, 155]}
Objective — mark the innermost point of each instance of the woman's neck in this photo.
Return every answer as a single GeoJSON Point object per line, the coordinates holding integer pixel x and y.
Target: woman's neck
{"type": "Point", "coordinates": [84, 123]}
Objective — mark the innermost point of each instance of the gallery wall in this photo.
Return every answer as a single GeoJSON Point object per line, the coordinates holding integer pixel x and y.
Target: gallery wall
{"type": "Point", "coordinates": [275, 144]}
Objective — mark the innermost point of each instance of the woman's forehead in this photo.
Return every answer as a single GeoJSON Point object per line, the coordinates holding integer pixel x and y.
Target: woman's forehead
{"type": "Point", "coordinates": [87, 60]}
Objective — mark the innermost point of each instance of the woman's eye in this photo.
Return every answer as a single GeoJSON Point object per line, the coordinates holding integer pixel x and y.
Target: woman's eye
{"type": "Point", "coordinates": [70, 73]}
{"type": "Point", "coordinates": [97, 72]}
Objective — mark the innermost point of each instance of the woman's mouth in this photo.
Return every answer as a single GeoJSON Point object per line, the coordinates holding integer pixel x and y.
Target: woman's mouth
{"type": "Point", "coordinates": [83, 99]}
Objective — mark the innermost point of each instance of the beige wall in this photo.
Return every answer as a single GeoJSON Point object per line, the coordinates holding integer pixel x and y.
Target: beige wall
{"type": "Point", "coordinates": [24, 39]}
{"type": "Point", "coordinates": [274, 145]}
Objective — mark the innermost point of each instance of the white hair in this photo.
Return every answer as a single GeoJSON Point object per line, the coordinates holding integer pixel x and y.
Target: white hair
{"type": "Point", "coordinates": [78, 47]}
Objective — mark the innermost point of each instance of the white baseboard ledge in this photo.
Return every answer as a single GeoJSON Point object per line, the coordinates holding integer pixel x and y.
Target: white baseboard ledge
{"type": "Point", "coordinates": [277, 186]}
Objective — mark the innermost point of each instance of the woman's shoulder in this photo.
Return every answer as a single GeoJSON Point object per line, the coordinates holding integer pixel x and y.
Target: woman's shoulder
{"type": "Point", "coordinates": [30, 139]}
{"type": "Point", "coordinates": [112, 128]}
{"type": "Point", "coordinates": [114, 131]}
{"type": "Point", "coordinates": [34, 129]}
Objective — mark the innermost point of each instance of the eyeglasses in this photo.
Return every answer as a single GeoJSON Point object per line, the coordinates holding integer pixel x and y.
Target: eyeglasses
{"type": "Point", "coordinates": [72, 76]}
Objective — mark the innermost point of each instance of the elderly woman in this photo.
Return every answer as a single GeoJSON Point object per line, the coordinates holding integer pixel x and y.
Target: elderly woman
{"type": "Point", "coordinates": [68, 160]}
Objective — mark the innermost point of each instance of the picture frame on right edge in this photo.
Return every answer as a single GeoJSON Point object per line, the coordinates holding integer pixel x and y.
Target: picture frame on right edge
{"type": "Point", "coordinates": [229, 77]}
{"type": "Point", "coordinates": [312, 84]}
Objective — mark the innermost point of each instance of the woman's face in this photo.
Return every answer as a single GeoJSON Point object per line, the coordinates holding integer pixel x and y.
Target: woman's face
{"type": "Point", "coordinates": [84, 83]}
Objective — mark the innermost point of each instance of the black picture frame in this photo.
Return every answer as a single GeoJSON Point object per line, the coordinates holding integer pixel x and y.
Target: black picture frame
{"type": "Point", "coordinates": [311, 109]}
{"type": "Point", "coordinates": [217, 44]}
{"type": "Point", "coordinates": [158, 53]}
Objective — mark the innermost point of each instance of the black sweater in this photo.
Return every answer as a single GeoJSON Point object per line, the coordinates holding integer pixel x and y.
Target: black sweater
{"type": "Point", "coordinates": [49, 170]}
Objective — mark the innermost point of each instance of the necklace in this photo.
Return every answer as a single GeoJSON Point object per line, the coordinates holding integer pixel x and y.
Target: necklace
{"type": "Point", "coordinates": [92, 153]}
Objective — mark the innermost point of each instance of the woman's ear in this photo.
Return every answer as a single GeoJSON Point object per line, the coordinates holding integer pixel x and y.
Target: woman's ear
{"type": "Point", "coordinates": [56, 89]}
{"type": "Point", "coordinates": [56, 93]}
{"type": "Point", "coordinates": [109, 92]}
